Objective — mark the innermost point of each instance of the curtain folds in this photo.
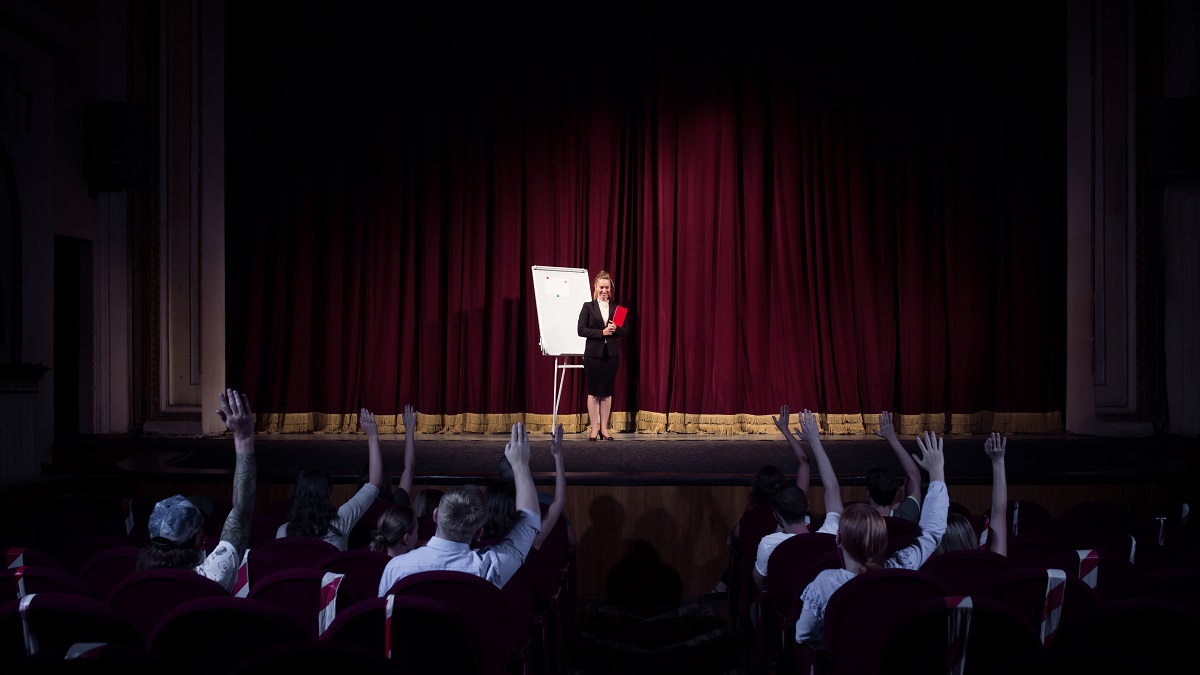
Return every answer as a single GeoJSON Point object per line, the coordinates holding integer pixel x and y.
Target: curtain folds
{"type": "Point", "coordinates": [809, 209]}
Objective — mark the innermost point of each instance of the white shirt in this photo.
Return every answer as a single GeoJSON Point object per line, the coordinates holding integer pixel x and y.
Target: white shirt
{"type": "Point", "coordinates": [769, 542]}
{"type": "Point", "coordinates": [221, 565]}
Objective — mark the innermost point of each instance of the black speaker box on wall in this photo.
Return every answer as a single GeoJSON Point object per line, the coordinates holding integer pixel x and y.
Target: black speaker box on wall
{"type": "Point", "coordinates": [114, 137]}
{"type": "Point", "coordinates": [1173, 137]}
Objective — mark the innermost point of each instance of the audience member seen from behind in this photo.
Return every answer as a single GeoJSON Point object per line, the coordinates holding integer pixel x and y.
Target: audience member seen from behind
{"type": "Point", "coordinates": [395, 532]}
{"type": "Point", "coordinates": [863, 539]}
{"type": "Point", "coordinates": [426, 502]}
{"type": "Point", "coordinates": [500, 503]}
{"type": "Point", "coordinates": [791, 503]}
{"type": "Point", "coordinates": [176, 525]}
{"type": "Point", "coordinates": [423, 507]}
{"type": "Point", "coordinates": [960, 534]}
{"type": "Point", "coordinates": [401, 495]}
{"type": "Point", "coordinates": [501, 498]}
{"type": "Point", "coordinates": [460, 516]}
{"type": "Point", "coordinates": [769, 479]}
{"type": "Point", "coordinates": [882, 485]}
{"type": "Point", "coordinates": [360, 534]}
{"type": "Point", "coordinates": [313, 514]}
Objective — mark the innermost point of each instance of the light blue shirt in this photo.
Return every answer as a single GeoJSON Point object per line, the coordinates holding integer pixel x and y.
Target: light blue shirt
{"type": "Point", "coordinates": [810, 628]}
{"type": "Point", "coordinates": [496, 563]}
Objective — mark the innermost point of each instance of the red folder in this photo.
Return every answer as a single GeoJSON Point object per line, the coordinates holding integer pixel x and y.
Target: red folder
{"type": "Point", "coordinates": [619, 316]}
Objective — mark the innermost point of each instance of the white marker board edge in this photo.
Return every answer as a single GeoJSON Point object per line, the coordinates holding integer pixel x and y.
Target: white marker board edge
{"type": "Point", "coordinates": [559, 293]}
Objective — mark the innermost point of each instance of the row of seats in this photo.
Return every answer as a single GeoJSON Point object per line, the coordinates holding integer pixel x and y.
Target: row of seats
{"type": "Point", "coordinates": [423, 627]}
{"type": "Point", "coordinates": [977, 573]}
{"type": "Point", "coordinates": [1149, 558]}
{"type": "Point", "coordinates": [113, 561]}
{"type": "Point", "coordinates": [910, 617]}
{"type": "Point", "coordinates": [288, 574]}
{"type": "Point", "coordinates": [183, 616]}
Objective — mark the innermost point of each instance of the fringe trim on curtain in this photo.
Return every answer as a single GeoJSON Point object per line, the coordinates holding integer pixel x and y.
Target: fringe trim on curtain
{"type": "Point", "coordinates": [647, 422]}
{"type": "Point", "coordinates": [469, 423]}
{"type": "Point", "coordinates": [1029, 423]}
{"type": "Point", "coordinates": [687, 423]}
{"type": "Point", "coordinates": [966, 424]}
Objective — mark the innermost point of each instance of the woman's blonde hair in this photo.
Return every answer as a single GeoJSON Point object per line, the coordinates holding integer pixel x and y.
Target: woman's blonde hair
{"type": "Point", "coordinates": [391, 527]}
{"type": "Point", "coordinates": [862, 534]}
{"type": "Point", "coordinates": [596, 282]}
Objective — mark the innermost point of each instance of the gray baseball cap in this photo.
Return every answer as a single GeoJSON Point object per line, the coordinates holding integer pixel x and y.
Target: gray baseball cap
{"type": "Point", "coordinates": [175, 519]}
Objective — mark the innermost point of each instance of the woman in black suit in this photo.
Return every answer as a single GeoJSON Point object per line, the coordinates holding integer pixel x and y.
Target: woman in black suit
{"type": "Point", "coordinates": [601, 353]}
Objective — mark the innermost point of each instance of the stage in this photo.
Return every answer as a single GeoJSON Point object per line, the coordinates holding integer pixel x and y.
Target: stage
{"type": "Point", "coordinates": [655, 459]}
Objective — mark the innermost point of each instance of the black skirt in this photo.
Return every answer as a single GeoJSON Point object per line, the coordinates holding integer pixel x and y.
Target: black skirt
{"type": "Point", "coordinates": [600, 373]}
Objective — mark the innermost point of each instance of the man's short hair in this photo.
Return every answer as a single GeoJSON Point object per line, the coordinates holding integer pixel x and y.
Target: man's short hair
{"type": "Point", "coordinates": [882, 486]}
{"type": "Point", "coordinates": [791, 504]}
{"type": "Point", "coordinates": [461, 513]}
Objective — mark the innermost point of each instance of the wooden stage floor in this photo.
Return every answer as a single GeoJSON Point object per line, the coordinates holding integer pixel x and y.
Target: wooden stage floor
{"type": "Point", "coordinates": [641, 459]}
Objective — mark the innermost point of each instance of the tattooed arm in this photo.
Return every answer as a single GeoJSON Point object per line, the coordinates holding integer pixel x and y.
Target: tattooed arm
{"type": "Point", "coordinates": [235, 413]}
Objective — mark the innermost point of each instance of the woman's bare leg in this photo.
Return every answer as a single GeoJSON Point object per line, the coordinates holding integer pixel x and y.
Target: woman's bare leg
{"type": "Point", "coordinates": [605, 409]}
{"type": "Point", "coordinates": [593, 416]}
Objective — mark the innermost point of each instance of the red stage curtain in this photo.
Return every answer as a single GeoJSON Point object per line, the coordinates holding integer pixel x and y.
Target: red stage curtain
{"type": "Point", "coordinates": [845, 214]}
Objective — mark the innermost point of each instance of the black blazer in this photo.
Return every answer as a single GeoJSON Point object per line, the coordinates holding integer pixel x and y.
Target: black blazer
{"type": "Point", "coordinates": [591, 326]}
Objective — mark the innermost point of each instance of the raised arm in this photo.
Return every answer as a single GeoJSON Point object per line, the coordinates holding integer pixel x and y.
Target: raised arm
{"type": "Point", "coordinates": [235, 413]}
{"type": "Point", "coordinates": [833, 491]}
{"type": "Point", "coordinates": [517, 452]}
{"type": "Point", "coordinates": [932, 459]}
{"type": "Point", "coordinates": [410, 449]}
{"type": "Point", "coordinates": [560, 488]}
{"type": "Point", "coordinates": [366, 419]}
{"type": "Point", "coordinates": [912, 475]}
{"type": "Point", "coordinates": [995, 446]}
{"type": "Point", "coordinates": [804, 472]}
{"type": "Point", "coordinates": [933, 508]}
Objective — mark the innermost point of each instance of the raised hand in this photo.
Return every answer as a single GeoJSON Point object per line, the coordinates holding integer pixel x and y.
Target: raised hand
{"type": "Point", "coordinates": [912, 475]}
{"type": "Point", "coordinates": [886, 430]}
{"type": "Point", "coordinates": [409, 417]}
{"type": "Point", "coordinates": [932, 458]}
{"type": "Point", "coordinates": [809, 430]}
{"type": "Point", "coordinates": [235, 413]}
{"type": "Point", "coordinates": [783, 420]}
{"type": "Point", "coordinates": [556, 440]}
{"type": "Point", "coordinates": [550, 517]}
{"type": "Point", "coordinates": [995, 445]}
{"type": "Point", "coordinates": [517, 448]}
{"type": "Point", "coordinates": [517, 452]}
{"type": "Point", "coordinates": [366, 419]}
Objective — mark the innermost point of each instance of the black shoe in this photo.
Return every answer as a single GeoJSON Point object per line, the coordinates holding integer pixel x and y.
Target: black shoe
{"type": "Point", "coordinates": [593, 438]}
{"type": "Point", "coordinates": [607, 438]}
